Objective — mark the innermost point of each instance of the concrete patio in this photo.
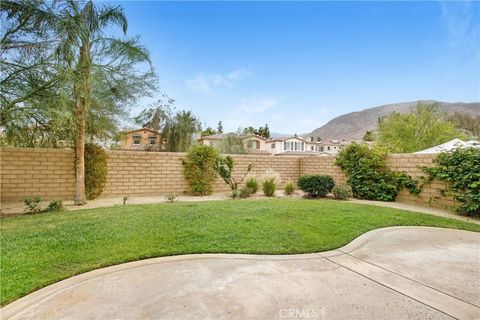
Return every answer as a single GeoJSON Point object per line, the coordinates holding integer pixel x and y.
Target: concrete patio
{"type": "Point", "coordinates": [395, 273]}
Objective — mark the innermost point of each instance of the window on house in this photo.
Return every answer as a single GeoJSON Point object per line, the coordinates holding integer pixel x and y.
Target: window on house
{"type": "Point", "coordinates": [303, 146]}
{"type": "Point", "coordinates": [273, 145]}
{"type": "Point", "coordinates": [285, 145]}
{"type": "Point", "coordinates": [311, 148]}
{"type": "Point", "coordinates": [250, 144]}
{"type": "Point", "coordinates": [136, 139]}
{"type": "Point", "coordinates": [328, 148]}
{"type": "Point", "coordinates": [152, 140]}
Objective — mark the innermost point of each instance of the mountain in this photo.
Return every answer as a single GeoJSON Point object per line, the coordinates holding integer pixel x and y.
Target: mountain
{"type": "Point", "coordinates": [354, 124]}
{"type": "Point", "coordinates": [279, 135]}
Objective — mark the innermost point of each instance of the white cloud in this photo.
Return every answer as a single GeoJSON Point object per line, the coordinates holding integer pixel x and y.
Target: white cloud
{"type": "Point", "coordinates": [459, 21]}
{"type": "Point", "coordinates": [208, 83]}
{"type": "Point", "coordinates": [258, 105]}
{"type": "Point", "coordinates": [251, 112]}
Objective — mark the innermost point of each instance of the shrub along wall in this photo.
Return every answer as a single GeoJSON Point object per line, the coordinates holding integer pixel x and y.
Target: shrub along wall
{"type": "Point", "coordinates": [49, 173]}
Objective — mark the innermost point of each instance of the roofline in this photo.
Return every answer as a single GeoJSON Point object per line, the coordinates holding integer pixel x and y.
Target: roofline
{"type": "Point", "coordinates": [286, 138]}
{"type": "Point", "coordinates": [241, 136]}
{"type": "Point", "coordinates": [146, 129]}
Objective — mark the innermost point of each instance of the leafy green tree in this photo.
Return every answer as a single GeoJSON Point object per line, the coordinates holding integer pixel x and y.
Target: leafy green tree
{"type": "Point", "coordinates": [261, 131]}
{"type": "Point", "coordinates": [208, 131]}
{"type": "Point", "coordinates": [232, 144]}
{"type": "Point", "coordinates": [220, 127]}
{"type": "Point", "coordinates": [420, 129]}
{"type": "Point", "coordinates": [264, 131]}
{"type": "Point", "coordinates": [250, 130]}
{"type": "Point", "coordinates": [156, 115]}
{"type": "Point", "coordinates": [81, 50]}
{"type": "Point", "coordinates": [28, 72]}
{"type": "Point", "coordinates": [467, 122]}
{"type": "Point", "coordinates": [368, 136]}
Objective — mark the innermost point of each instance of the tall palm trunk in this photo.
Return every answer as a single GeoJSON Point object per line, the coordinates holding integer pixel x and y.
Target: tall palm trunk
{"type": "Point", "coordinates": [82, 90]}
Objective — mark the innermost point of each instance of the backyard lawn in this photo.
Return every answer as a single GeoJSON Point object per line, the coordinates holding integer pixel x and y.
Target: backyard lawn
{"type": "Point", "coordinates": [38, 250]}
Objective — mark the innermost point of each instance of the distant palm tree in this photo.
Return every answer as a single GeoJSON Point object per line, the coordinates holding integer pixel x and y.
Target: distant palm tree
{"type": "Point", "coordinates": [179, 131]}
{"type": "Point", "coordinates": [81, 45]}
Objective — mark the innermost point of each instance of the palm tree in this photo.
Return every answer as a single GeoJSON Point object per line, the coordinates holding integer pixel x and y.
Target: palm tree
{"type": "Point", "coordinates": [82, 48]}
{"type": "Point", "coordinates": [179, 131]}
{"type": "Point", "coordinates": [188, 124]}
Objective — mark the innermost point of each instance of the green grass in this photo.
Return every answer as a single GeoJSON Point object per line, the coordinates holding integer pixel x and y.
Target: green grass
{"type": "Point", "coordinates": [38, 250]}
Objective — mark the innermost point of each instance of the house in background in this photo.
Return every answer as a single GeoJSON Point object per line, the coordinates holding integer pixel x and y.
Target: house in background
{"type": "Point", "coordinates": [287, 145]}
{"type": "Point", "coordinates": [290, 145]}
{"type": "Point", "coordinates": [253, 143]}
{"type": "Point", "coordinates": [306, 146]}
{"type": "Point", "coordinates": [141, 139]}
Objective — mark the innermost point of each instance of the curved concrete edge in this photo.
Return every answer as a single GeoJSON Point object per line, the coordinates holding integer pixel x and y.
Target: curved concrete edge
{"type": "Point", "coordinates": [50, 290]}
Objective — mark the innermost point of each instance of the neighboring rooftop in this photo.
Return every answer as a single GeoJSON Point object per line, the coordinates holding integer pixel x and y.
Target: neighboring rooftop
{"type": "Point", "coordinates": [221, 136]}
{"type": "Point", "coordinates": [450, 146]}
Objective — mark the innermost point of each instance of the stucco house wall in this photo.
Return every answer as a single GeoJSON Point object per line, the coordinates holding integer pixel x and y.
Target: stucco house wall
{"type": "Point", "coordinates": [130, 138]}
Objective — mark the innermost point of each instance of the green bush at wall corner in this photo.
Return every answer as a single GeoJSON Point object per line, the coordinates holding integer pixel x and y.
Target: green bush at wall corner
{"type": "Point", "coordinates": [199, 168]}
{"type": "Point", "coordinates": [460, 169]}
{"type": "Point", "coordinates": [368, 175]}
{"type": "Point", "coordinates": [95, 170]}
{"type": "Point", "coordinates": [316, 186]}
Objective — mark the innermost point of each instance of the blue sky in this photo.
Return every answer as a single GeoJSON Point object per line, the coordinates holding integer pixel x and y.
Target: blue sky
{"type": "Point", "coordinates": [297, 65]}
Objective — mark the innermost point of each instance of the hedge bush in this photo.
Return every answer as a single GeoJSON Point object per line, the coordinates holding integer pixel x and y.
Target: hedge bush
{"type": "Point", "coordinates": [368, 175]}
{"type": "Point", "coordinates": [316, 186]}
{"type": "Point", "coordinates": [342, 192]}
{"type": "Point", "coordinates": [461, 170]}
{"type": "Point", "coordinates": [95, 170]}
{"type": "Point", "coordinates": [199, 169]}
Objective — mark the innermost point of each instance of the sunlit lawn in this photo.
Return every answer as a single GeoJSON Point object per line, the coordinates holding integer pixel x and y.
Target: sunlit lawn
{"type": "Point", "coordinates": [38, 250]}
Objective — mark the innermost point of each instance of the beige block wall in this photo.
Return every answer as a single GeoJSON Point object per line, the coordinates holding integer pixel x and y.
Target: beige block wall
{"type": "Point", "coordinates": [49, 173]}
{"type": "Point", "coordinates": [431, 192]}
{"type": "Point", "coordinates": [322, 165]}
{"type": "Point", "coordinates": [153, 173]}
{"type": "Point", "coordinates": [26, 172]}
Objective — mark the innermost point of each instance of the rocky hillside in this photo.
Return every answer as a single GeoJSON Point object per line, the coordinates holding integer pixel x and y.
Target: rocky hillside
{"type": "Point", "coordinates": [353, 125]}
